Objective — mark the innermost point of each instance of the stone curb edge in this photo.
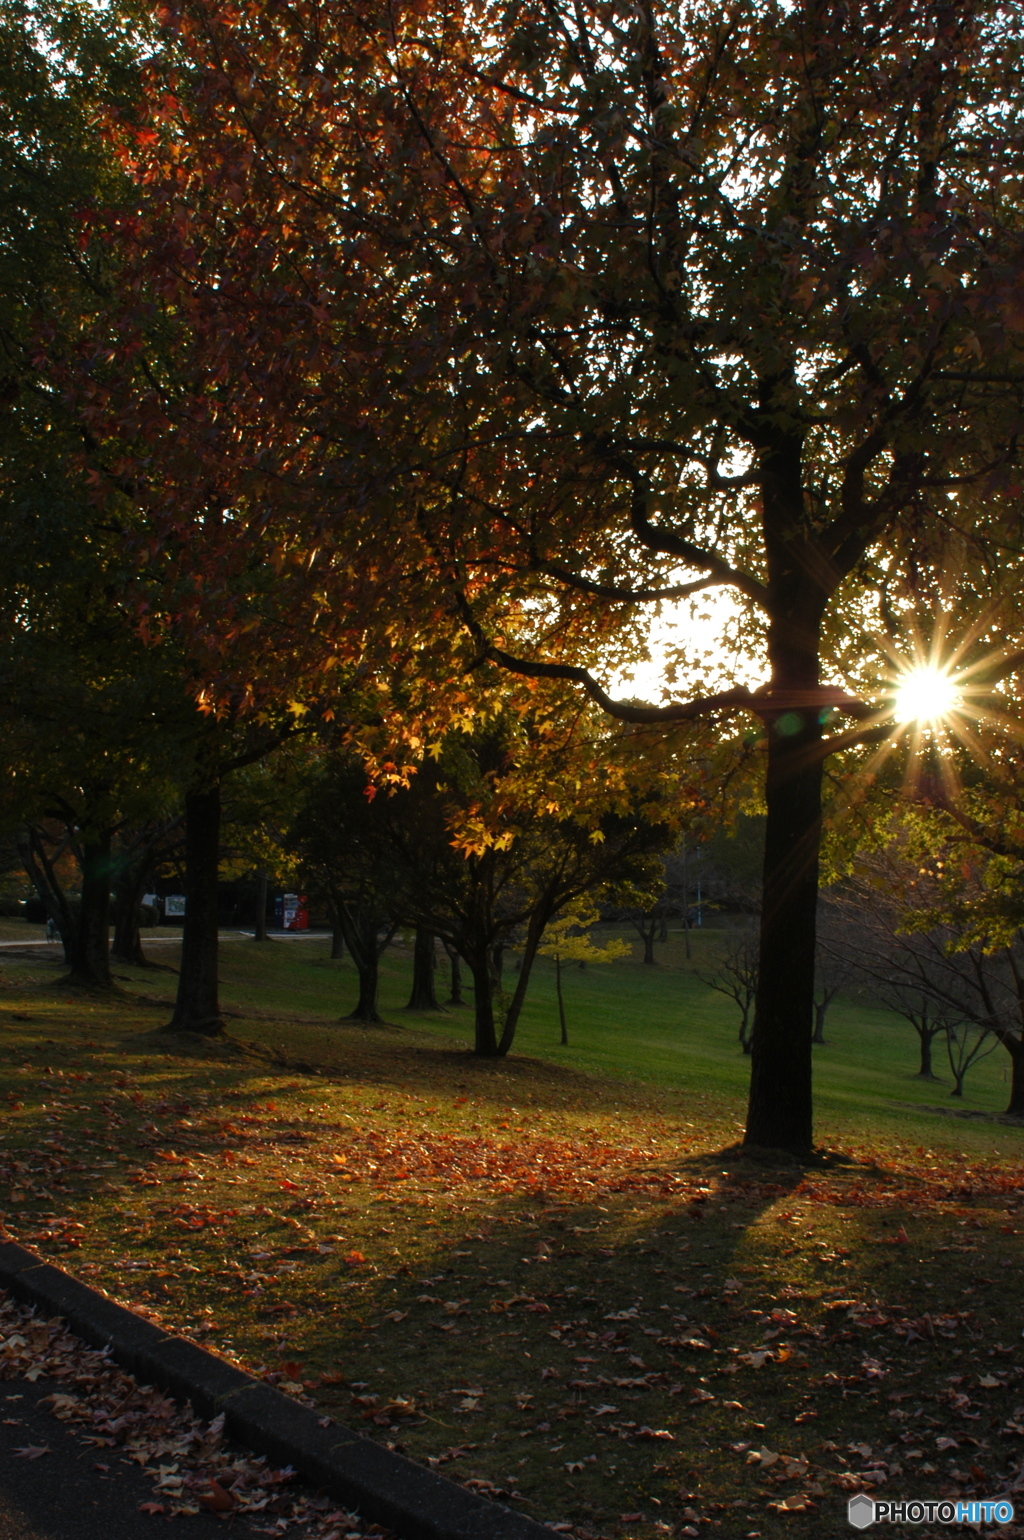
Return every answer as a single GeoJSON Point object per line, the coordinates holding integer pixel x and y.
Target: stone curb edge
{"type": "Point", "coordinates": [382, 1486]}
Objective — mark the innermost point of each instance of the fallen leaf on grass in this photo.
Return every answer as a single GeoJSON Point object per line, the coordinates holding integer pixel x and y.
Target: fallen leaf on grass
{"type": "Point", "coordinates": [792, 1505]}
{"type": "Point", "coordinates": [33, 1451]}
{"type": "Point", "coordinates": [152, 1508]}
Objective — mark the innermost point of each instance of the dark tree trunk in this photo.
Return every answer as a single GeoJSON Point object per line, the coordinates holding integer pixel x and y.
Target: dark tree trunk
{"type": "Point", "coordinates": [926, 1039]}
{"type": "Point", "coordinates": [497, 963]}
{"type": "Point", "coordinates": [648, 934]}
{"type": "Point", "coordinates": [129, 887]}
{"type": "Point", "coordinates": [127, 943]}
{"type": "Point", "coordinates": [820, 1012]}
{"type": "Point", "coordinates": [534, 935]}
{"type": "Point", "coordinates": [455, 985]}
{"type": "Point", "coordinates": [423, 996]}
{"type": "Point", "coordinates": [90, 958]}
{"type": "Point", "coordinates": [197, 1008]}
{"type": "Point", "coordinates": [42, 874]}
{"type": "Point", "coordinates": [337, 942]}
{"type": "Point", "coordinates": [663, 928]}
{"type": "Point", "coordinates": [561, 1001]}
{"type": "Point", "coordinates": [260, 928]}
{"type": "Point", "coordinates": [780, 1114]}
{"type": "Point", "coordinates": [485, 1039]}
{"type": "Point", "coordinates": [362, 936]}
{"type": "Point", "coordinates": [1015, 1047]}
{"type": "Point", "coordinates": [368, 969]}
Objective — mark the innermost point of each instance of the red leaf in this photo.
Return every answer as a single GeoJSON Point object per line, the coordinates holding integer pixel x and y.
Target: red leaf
{"type": "Point", "coordinates": [218, 1500]}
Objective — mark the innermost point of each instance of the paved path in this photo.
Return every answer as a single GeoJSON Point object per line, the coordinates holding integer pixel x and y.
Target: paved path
{"type": "Point", "coordinates": [174, 938]}
{"type": "Point", "coordinates": [64, 1495]}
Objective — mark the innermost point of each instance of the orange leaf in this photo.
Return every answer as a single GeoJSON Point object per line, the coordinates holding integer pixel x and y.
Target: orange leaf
{"type": "Point", "coordinates": [217, 1500]}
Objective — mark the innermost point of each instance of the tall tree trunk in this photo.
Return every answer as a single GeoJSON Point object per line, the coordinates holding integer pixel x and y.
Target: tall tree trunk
{"type": "Point", "coordinates": [925, 1038]}
{"type": "Point", "coordinates": [337, 942]}
{"type": "Point", "coordinates": [820, 1012]}
{"type": "Point", "coordinates": [42, 874]}
{"type": "Point", "coordinates": [197, 1007]}
{"type": "Point", "coordinates": [423, 996]}
{"type": "Point", "coordinates": [686, 935]}
{"type": "Point", "coordinates": [362, 939]}
{"type": "Point", "coordinates": [561, 1001]}
{"type": "Point", "coordinates": [485, 1038]}
{"type": "Point", "coordinates": [90, 958]}
{"type": "Point", "coordinates": [455, 983]}
{"type": "Point", "coordinates": [129, 887]}
{"type": "Point", "coordinates": [780, 1113]}
{"type": "Point", "coordinates": [260, 928]}
{"type": "Point", "coordinates": [368, 970]}
{"type": "Point", "coordinates": [534, 935]}
{"type": "Point", "coordinates": [127, 943]}
{"type": "Point", "coordinates": [1015, 1047]}
{"type": "Point", "coordinates": [648, 934]}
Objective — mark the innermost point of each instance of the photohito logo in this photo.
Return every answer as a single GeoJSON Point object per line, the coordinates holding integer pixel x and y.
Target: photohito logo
{"type": "Point", "coordinates": [863, 1510]}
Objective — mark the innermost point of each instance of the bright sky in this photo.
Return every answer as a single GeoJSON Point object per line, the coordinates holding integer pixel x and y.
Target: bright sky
{"type": "Point", "coordinates": [697, 634]}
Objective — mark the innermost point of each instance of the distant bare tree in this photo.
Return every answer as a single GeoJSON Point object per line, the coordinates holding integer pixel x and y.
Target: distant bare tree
{"type": "Point", "coordinates": [736, 978]}
{"type": "Point", "coordinates": [972, 998]}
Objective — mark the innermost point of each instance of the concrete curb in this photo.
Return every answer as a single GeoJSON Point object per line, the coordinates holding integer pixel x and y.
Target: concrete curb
{"type": "Point", "coordinates": [382, 1486]}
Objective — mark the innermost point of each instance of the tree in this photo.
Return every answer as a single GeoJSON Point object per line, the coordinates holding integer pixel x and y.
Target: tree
{"type": "Point", "coordinates": [736, 977]}
{"type": "Point", "coordinates": [634, 301]}
{"type": "Point", "coordinates": [567, 939]}
{"type": "Point", "coordinates": [138, 853]}
{"type": "Point", "coordinates": [423, 995]}
{"type": "Point", "coordinates": [833, 970]}
{"type": "Point", "coordinates": [921, 959]}
{"type": "Point", "coordinates": [335, 840]}
{"type": "Point", "coordinates": [966, 1043]}
{"type": "Point", "coordinates": [647, 920]}
{"type": "Point", "coordinates": [489, 860]}
{"type": "Point", "coordinates": [490, 840]}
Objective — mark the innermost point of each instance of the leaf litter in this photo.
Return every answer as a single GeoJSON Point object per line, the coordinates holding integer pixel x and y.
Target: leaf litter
{"type": "Point", "coordinates": [191, 1464]}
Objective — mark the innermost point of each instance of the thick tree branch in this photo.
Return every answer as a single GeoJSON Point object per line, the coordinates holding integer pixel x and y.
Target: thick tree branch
{"type": "Point", "coordinates": [672, 544]}
{"type": "Point", "coordinates": [764, 702]}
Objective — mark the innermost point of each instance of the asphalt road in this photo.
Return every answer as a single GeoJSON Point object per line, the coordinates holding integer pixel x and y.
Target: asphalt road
{"type": "Point", "coordinates": [63, 1495]}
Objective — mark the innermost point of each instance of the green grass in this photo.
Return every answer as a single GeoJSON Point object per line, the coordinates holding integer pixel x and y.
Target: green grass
{"type": "Point", "coordinates": [378, 1221]}
{"type": "Point", "coordinates": [660, 1025]}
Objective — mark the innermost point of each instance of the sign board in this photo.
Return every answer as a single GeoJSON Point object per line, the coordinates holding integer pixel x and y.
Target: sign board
{"type": "Point", "coordinates": [290, 911]}
{"type": "Point", "coordinates": [174, 904]}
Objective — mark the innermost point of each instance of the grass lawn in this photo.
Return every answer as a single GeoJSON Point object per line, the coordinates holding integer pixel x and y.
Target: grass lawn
{"type": "Point", "coordinates": [551, 1277]}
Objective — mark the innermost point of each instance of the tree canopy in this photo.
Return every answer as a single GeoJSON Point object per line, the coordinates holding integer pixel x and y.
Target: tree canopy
{"type": "Point", "coordinates": [538, 317]}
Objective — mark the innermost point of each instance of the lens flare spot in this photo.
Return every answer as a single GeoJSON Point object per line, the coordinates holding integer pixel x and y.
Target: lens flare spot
{"type": "Point", "coordinates": [926, 695]}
